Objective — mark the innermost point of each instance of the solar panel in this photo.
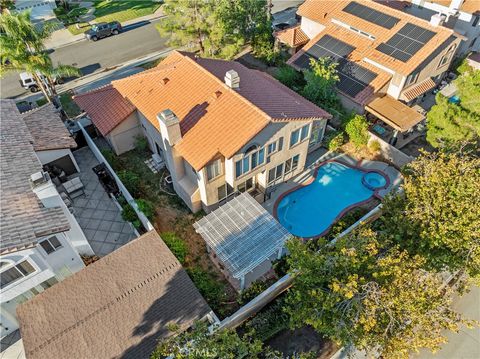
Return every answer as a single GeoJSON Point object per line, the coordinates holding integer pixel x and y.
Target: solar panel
{"type": "Point", "coordinates": [353, 78]}
{"type": "Point", "coordinates": [371, 15]}
{"type": "Point", "coordinates": [406, 43]}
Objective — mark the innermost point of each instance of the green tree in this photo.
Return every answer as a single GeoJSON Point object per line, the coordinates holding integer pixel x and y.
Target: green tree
{"type": "Point", "coordinates": [290, 77]}
{"type": "Point", "coordinates": [320, 80]}
{"type": "Point", "coordinates": [22, 49]}
{"type": "Point", "coordinates": [357, 130]}
{"type": "Point", "coordinates": [448, 122]}
{"type": "Point", "coordinates": [363, 295]}
{"type": "Point", "coordinates": [438, 217]}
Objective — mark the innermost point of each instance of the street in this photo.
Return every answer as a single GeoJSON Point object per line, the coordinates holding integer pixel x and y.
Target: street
{"type": "Point", "coordinates": [91, 56]}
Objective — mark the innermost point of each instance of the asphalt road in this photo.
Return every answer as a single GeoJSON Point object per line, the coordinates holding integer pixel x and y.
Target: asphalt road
{"type": "Point", "coordinates": [91, 56]}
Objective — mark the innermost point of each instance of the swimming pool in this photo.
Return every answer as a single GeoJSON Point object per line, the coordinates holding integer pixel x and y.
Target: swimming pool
{"type": "Point", "coordinates": [309, 211]}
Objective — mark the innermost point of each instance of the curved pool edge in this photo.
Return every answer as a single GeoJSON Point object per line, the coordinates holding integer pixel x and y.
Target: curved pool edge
{"type": "Point", "coordinates": [346, 209]}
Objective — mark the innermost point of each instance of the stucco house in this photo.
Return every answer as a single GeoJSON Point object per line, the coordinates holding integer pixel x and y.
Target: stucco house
{"type": "Point", "coordinates": [388, 59]}
{"type": "Point", "coordinates": [41, 241]}
{"type": "Point", "coordinates": [220, 127]}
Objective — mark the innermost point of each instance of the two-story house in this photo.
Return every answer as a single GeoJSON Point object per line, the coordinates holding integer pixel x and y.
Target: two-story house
{"type": "Point", "coordinates": [41, 241]}
{"type": "Point", "coordinates": [220, 127]}
{"type": "Point", "coordinates": [387, 59]}
{"type": "Point", "coordinates": [463, 16]}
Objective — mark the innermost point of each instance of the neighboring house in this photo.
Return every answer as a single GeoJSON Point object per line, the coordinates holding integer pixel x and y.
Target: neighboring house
{"type": "Point", "coordinates": [385, 56]}
{"type": "Point", "coordinates": [294, 38]}
{"type": "Point", "coordinates": [41, 241]}
{"type": "Point", "coordinates": [40, 10]}
{"type": "Point", "coordinates": [220, 127]}
{"type": "Point", "coordinates": [474, 60]}
{"type": "Point", "coordinates": [463, 16]}
{"type": "Point", "coordinates": [117, 307]}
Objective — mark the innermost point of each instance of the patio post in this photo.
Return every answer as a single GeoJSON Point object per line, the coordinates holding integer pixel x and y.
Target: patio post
{"type": "Point", "coordinates": [280, 252]}
{"type": "Point", "coordinates": [242, 282]}
{"type": "Point", "coordinates": [393, 140]}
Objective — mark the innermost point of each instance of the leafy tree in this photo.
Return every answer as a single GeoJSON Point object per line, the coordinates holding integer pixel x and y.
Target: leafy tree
{"type": "Point", "coordinates": [22, 49]}
{"type": "Point", "coordinates": [365, 296]}
{"type": "Point", "coordinates": [320, 80]}
{"type": "Point", "coordinates": [290, 77]}
{"type": "Point", "coordinates": [357, 130]}
{"type": "Point", "coordinates": [448, 122]}
{"type": "Point", "coordinates": [438, 217]}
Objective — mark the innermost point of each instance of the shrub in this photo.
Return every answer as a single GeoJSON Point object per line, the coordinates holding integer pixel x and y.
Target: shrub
{"type": "Point", "coordinates": [280, 266]}
{"type": "Point", "coordinates": [146, 207]}
{"type": "Point", "coordinates": [374, 146]}
{"type": "Point", "coordinates": [290, 77]}
{"type": "Point", "coordinates": [130, 180]}
{"type": "Point", "coordinates": [129, 215]}
{"type": "Point", "coordinates": [251, 292]}
{"type": "Point", "coordinates": [176, 245]}
{"type": "Point", "coordinates": [334, 140]}
{"type": "Point", "coordinates": [269, 321]}
{"type": "Point", "coordinates": [208, 285]}
{"type": "Point", "coordinates": [141, 143]}
{"type": "Point", "coordinates": [357, 130]}
{"type": "Point", "coordinates": [110, 156]}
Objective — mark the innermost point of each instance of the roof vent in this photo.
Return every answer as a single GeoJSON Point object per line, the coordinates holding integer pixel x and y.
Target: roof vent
{"type": "Point", "coordinates": [165, 80]}
{"type": "Point", "coordinates": [232, 79]}
{"type": "Point", "coordinates": [217, 94]}
{"type": "Point", "coordinates": [39, 178]}
{"type": "Point", "coordinates": [437, 20]}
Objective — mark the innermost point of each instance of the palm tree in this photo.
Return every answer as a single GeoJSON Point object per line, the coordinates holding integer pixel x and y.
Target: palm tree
{"type": "Point", "coordinates": [22, 49]}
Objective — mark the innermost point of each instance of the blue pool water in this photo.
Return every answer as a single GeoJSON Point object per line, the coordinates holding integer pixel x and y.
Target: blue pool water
{"type": "Point", "coordinates": [311, 210]}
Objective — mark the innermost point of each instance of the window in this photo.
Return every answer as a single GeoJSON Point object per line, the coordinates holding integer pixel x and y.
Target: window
{"type": "Point", "coordinates": [412, 78]}
{"type": "Point", "coordinates": [275, 173]}
{"type": "Point", "coordinates": [292, 164]}
{"type": "Point", "coordinates": [288, 166]}
{"type": "Point", "coordinates": [51, 244]}
{"type": "Point", "coordinates": [294, 137]}
{"type": "Point", "coordinates": [271, 148]}
{"type": "Point", "coordinates": [280, 143]}
{"type": "Point", "coordinates": [304, 132]}
{"type": "Point", "coordinates": [316, 135]}
{"type": "Point", "coordinates": [295, 162]}
{"type": "Point", "coordinates": [16, 272]}
{"type": "Point", "coordinates": [224, 191]}
{"type": "Point", "coordinates": [245, 186]}
{"type": "Point", "coordinates": [473, 42]}
{"type": "Point", "coordinates": [258, 158]}
{"type": "Point", "coordinates": [213, 170]}
{"type": "Point", "coordinates": [445, 58]}
{"type": "Point", "coordinates": [475, 21]}
{"type": "Point", "coordinates": [48, 283]}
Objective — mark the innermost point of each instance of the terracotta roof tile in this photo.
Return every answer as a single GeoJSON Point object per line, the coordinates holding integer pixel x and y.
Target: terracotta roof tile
{"type": "Point", "coordinates": [23, 218]}
{"type": "Point", "coordinates": [324, 12]}
{"type": "Point", "coordinates": [293, 36]}
{"type": "Point", "coordinates": [47, 129]}
{"type": "Point", "coordinates": [117, 307]}
{"type": "Point", "coordinates": [106, 107]}
{"type": "Point", "coordinates": [417, 90]}
{"type": "Point", "coordinates": [469, 6]}
{"type": "Point", "coordinates": [213, 117]}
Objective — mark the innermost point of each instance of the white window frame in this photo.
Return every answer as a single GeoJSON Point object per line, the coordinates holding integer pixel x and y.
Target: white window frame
{"type": "Point", "coordinates": [52, 245]}
{"type": "Point", "coordinates": [216, 165]}
{"type": "Point", "coordinates": [16, 267]}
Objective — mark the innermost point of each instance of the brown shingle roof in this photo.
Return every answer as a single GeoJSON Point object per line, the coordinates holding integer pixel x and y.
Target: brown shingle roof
{"type": "Point", "coordinates": [47, 129]}
{"type": "Point", "coordinates": [23, 219]}
{"type": "Point", "coordinates": [213, 117]}
{"type": "Point", "coordinates": [106, 107]}
{"type": "Point", "coordinates": [117, 307]}
{"type": "Point", "coordinates": [293, 36]}
{"type": "Point", "coordinates": [324, 12]}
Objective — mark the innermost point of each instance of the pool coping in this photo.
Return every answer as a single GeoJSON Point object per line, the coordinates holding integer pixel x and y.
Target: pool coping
{"type": "Point", "coordinates": [313, 176]}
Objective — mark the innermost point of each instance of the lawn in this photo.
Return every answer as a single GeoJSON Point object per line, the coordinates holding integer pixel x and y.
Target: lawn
{"type": "Point", "coordinates": [70, 107]}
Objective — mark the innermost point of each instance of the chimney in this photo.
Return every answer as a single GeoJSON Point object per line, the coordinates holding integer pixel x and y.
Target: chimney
{"type": "Point", "coordinates": [232, 79]}
{"type": "Point", "coordinates": [437, 20]}
{"type": "Point", "coordinates": [169, 126]}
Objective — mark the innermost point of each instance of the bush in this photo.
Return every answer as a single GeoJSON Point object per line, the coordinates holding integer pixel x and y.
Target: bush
{"type": "Point", "coordinates": [269, 321]}
{"type": "Point", "coordinates": [209, 286]}
{"type": "Point", "coordinates": [176, 245]}
{"type": "Point", "coordinates": [357, 130]}
{"type": "Point", "coordinates": [129, 215]}
{"type": "Point", "coordinates": [374, 146]}
{"type": "Point", "coordinates": [280, 266]}
{"type": "Point", "coordinates": [130, 180]}
{"type": "Point", "coordinates": [141, 144]}
{"type": "Point", "coordinates": [146, 207]}
{"type": "Point", "coordinates": [334, 140]}
{"type": "Point", "coordinates": [251, 292]}
{"type": "Point", "coordinates": [290, 77]}
{"type": "Point", "coordinates": [110, 156]}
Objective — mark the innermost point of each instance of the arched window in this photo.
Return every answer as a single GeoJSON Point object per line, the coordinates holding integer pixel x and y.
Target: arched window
{"type": "Point", "coordinates": [251, 148]}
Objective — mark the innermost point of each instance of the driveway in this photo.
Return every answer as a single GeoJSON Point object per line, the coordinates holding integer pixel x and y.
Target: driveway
{"type": "Point", "coordinates": [97, 214]}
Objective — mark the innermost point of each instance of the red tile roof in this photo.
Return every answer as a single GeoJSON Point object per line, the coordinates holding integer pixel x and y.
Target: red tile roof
{"type": "Point", "coordinates": [293, 36]}
{"type": "Point", "coordinates": [106, 107]}
{"type": "Point", "coordinates": [213, 117]}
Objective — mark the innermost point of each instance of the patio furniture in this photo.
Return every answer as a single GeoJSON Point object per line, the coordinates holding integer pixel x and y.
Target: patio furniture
{"type": "Point", "coordinates": [74, 187]}
{"type": "Point", "coordinates": [106, 179]}
{"type": "Point", "coordinates": [379, 129]}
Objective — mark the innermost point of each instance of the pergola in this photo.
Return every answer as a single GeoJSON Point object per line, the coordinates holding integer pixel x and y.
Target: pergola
{"type": "Point", "coordinates": [243, 235]}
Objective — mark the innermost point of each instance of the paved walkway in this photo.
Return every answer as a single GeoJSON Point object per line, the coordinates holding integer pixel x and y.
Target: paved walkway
{"type": "Point", "coordinates": [97, 214]}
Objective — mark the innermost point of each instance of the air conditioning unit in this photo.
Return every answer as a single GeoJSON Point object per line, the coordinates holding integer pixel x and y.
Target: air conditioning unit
{"type": "Point", "coordinates": [39, 178]}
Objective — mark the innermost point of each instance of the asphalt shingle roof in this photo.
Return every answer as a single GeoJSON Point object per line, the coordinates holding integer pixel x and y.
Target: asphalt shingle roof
{"type": "Point", "coordinates": [117, 307]}
{"type": "Point", "coordinates": [23, 219]}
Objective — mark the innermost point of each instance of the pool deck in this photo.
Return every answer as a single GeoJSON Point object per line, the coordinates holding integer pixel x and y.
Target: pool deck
{"type": "Point", "coordinates": [304, 177]}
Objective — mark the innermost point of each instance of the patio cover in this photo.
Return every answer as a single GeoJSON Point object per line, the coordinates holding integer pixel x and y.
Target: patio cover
{"type": "Point", "coordinates": [418, 90]}
{"type": "Point", "coordinates": [394, 113]}
{"type": "Point", "coordinates": [242, 234]}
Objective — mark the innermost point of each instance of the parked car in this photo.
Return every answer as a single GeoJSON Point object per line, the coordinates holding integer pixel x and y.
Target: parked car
{"type": "Point", "coordinates": [103, 29]}
{"type": "Point", "coordinates": [29, 83]}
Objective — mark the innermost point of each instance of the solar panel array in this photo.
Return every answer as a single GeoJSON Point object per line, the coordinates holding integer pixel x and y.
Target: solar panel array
{"type": "Point", "coordinates": [371, 15]}
{"type": "Point", "coordinates": [406, 43]}
{"type": "Point", "coordinates": [353, 78]}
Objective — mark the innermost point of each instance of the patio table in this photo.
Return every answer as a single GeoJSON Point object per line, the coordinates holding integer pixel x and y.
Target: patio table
{"type": "Point", "coordinates": [74, 187]}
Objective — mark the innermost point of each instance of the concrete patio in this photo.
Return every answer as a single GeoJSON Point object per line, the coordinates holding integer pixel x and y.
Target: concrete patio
{"type": "Point", "coordinates": [98, 214]}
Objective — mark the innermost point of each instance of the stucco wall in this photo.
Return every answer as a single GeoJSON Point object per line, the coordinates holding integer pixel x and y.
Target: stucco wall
{"type": "Point", "coordinates": [54, 155]}
{"type": "Point", "coordinates": [123, 137]}
{"type": "Point", "coordinates": [311, 28]}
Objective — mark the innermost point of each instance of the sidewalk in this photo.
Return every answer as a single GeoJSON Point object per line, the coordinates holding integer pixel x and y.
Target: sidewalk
{"type": "Point", "coordinates": [63, 37]}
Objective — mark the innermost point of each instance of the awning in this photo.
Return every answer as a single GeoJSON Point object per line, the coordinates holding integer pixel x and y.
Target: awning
{"type": "Point", "coordinates": [394, 113]}
{"type": "Point", "coordinates": [417, 90]}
